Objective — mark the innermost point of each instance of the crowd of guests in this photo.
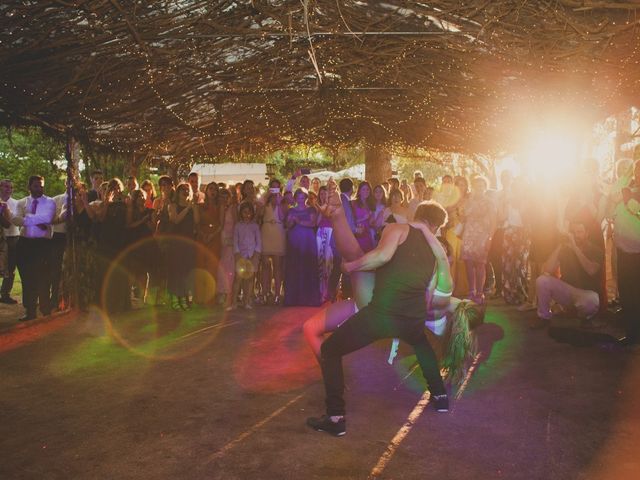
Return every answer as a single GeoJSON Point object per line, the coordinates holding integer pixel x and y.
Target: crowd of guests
{"type": "Point", "coordinates": [535, 246]}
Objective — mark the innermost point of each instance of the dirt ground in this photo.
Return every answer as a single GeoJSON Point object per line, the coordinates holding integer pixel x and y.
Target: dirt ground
{"type": "Point", "coordinates": [206, 395]}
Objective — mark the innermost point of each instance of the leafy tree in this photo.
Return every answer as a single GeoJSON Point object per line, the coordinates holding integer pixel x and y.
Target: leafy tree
{"type": "Point", "coordinates": [29, 151]}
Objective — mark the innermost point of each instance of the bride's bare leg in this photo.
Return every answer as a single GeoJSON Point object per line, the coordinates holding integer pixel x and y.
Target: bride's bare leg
{"type": "Point", "coordinates": [325, 321]}
{"type": "Point", "coordinates": [349, 249]}
{"type": "Point", "coordinates": [346, 243]}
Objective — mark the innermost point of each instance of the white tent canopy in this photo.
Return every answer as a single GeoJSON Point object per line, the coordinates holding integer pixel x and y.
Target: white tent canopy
{"type": "Point", "coordinates": [231, 172]}
{"type": "Point", "coordinates": [356, 172]}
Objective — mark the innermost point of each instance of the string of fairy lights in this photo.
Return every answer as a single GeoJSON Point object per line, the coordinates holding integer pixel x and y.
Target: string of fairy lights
{"type": "Point", "coordinates": [446, 95]}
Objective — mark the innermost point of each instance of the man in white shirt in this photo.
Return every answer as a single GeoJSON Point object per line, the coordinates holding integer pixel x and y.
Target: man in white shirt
{"type": "Point", "coordinates": [11, 236]}
{"type": "Point", "coordinates": [194, 181]}
{"type": "Point", "coordinates": [34, 215]}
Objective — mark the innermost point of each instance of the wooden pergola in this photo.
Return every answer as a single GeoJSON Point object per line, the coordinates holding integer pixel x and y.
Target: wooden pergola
{"type": "Point", "coordinates": [191, 78]}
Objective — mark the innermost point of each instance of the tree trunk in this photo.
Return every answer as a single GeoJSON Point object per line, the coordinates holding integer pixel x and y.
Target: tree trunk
{"type": "Point", "coordinates": [377, 165]}
{"type": "Point", "coordinates": [72, 156]}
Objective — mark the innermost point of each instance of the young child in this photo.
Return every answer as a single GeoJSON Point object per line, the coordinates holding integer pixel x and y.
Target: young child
{"type": "Point", "coordinates": [247, 245]}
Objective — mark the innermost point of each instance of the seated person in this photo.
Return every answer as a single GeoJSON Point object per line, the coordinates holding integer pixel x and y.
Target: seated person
{"type": "Point", "coordinates": [579, 262]}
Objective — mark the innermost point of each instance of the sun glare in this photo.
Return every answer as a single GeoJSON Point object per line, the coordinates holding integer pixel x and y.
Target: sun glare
{"type": "Point", "coordinates": [551, 153]}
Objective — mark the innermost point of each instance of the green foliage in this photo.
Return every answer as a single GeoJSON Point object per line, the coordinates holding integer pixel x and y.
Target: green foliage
{"type": "Point", "coordinates": [28, 151]}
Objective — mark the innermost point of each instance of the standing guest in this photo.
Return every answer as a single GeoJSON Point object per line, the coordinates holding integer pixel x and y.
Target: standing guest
{"type": "Point", "coordinates": [362, 207]}
{"type": "Point", "coordinates": [11, 236]}
{"type": "Point", "coordinates": [394, 184]}
{"type": "Point", "coordinates": [132, 185]}
{"type": "Point", "coordinates": [312, 201]}
{"type": "Point", "coordinates": [248, 193]}
{"type": "Point", "coordinates": [274, 243]}
{"type": "Point", "coordinates": [516, 246]}
{"type": "Point", "coordinates": [84, 278]}
{"type": "Point", "coordinates": [315, 185]}
{"type": "Point", "coordinates": [5, 222]}
{"type": "Point", "coordinates": [326, 250]}
{"type": "Point", "coordinates": [497, 242]}
{"type": "Point", "coordinates": [453, 234]}
{"type": "Point", "coordinates": [479, 224]}
{"type": "Point", "coordinates": [396, 212]}
{"type": "Point", "coordinates": [208, 235]}
{"type": "Point", "coordinates": [97, 178]}
{"type": "Point", "coordinates": [448, 195]}
{"type": "Point", "coordinates": [161, 204]}
{"type": "Point", "coordinates": [416, 174]}
{"type": "Point", "coordinates": [428, 193]}
{"type": "Point", "coordinates": [287, 199]}
{"type": "Point", "coordinates": [579, 262]}
{"type": "Point", "coordinates": [247, 245]}
{"type": "Point", "coordinates": [405, 188]}
{"type": "Point", "coordinates": [236, 193]}
{"type": "Point", "coordinates": [226, 265]}
{"type": "Point", "coordinates": [150, 191]}
{"type": "Point", "coordinates": [420, 187]}
{"type": "Point", "coordinates": [624, 208]}
{"type": "Point", "coordinates": [114, 293]}
{"type": "Point", "coordinates": [184, 216]}
{"type": "Point", "coordinates": [143, 253]}
{"type": "Point", "coordinates": [163, 226]}
{"type": "Point", "coordinates": [379, 207]}
{"type": "Point", "coordinates": [194, 183]}
{"type": "Point", "coordinates": [58, 247]}
{"type": "Point", "coordinates": [35, 214]}
{"type": "Point", "coordinates": [303, 181]}
{"type": "Point", "coordinates": [301, 284]}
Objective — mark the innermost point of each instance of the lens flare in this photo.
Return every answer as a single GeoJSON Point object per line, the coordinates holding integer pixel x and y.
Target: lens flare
{"type": "Point", "coordinates": [244, 268]}
{"type": "Point", "coordinates": [151, 332]}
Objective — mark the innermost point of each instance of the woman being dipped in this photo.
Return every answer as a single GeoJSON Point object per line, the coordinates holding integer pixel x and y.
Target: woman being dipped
{"type": "Point", "coordinates": [442, 306]}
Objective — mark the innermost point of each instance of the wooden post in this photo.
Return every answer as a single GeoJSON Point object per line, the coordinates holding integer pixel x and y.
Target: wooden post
{"type": "Point", "coordinates": [72, 156]}
{"type": "Point", "coordinates": [377, 165]}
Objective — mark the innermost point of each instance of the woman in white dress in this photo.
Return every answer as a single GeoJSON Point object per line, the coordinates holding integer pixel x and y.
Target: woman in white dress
{"type": "Point", "coordinates": [274, 244]}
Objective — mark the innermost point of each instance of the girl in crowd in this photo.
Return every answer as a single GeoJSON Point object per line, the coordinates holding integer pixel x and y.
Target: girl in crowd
{"type": "Point", "coordinates": [379, 207]}
{"type": "Point", "coordinates": [442, 305]}
{"type": "Point", "coordinates": [301, 269]}
{"type": "Point", "coordinates": [208, 235]}
{"type": "Point", "coordinates": [184, 216]}
{"type": "Point", "coordinates": [274, 244]}
{"type": "Point", "coordinates": [396, 212]}
{"type": "Point", "coordinates": [226, 265]}
{"type": "Point", "coordinates": [247, 245]}
{"type": "Point", "coordinates": [326, 247]}
{"type": "Point", "coordinates": [150, 192]}
{"type": "Point", "coordinates": [362, 207]}
{"type": "Point", "coordinates": [479, 224]}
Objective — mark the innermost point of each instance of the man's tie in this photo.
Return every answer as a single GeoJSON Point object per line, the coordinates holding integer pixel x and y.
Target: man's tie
{"type": "Point", "coordinates": [34, 205]}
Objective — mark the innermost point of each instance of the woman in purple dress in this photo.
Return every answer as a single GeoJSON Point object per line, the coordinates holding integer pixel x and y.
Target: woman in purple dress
{"type": "Point", "coordinates": [301, 280]}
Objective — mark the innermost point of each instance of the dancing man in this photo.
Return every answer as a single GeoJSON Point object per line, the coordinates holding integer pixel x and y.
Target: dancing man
{"type": "Point", "coordinates": [404, 265]}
